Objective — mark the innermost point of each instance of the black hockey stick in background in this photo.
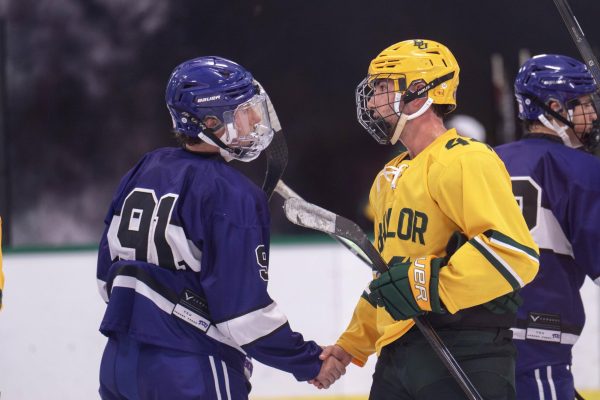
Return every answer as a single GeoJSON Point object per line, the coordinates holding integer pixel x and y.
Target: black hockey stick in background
{"type": "Point", "coordinates": [581, 42]}
{"type": "Point", "coordinates": [287, 193]}
{"type": "Point", "coordinates": [303, 213]}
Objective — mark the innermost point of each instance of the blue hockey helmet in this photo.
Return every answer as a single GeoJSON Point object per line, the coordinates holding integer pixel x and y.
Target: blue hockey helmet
{"type": "Point", "coordinates": [222, 89]}
{"type": "Point", "coordinates": [550, 77]}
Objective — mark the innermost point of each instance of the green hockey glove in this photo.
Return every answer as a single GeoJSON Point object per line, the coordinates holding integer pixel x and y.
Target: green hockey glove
{"type": "Point", "coordinates": [409, 289]}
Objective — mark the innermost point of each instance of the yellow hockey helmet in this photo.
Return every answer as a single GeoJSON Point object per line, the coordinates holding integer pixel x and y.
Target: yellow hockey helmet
{"type": "Point", "coordinates": [405, 63]}
{"type": "Point", "coordinates": [416, 60]}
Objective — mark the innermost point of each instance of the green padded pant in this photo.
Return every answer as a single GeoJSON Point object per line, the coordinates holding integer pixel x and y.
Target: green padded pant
{"type": "Point", "coordinates": [409, 369]}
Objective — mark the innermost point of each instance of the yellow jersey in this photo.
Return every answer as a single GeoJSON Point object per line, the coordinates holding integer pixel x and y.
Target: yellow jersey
{"type": "Point", "coordinates": [455, 184]}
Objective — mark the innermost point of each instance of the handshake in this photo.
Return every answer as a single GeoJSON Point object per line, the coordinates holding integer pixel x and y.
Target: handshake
{"type": "Point", "coordinates": [335, 360]}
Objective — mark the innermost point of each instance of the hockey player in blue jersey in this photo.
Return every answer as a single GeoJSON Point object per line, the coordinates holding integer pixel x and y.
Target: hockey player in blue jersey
{"type": "Point", "coordinates": [183, 262]}
{"type": "Point", "coordinates": [557, 185]}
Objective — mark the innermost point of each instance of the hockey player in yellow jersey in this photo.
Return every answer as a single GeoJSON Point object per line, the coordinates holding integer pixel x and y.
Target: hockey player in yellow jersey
{"type": "Point", "coordinates": [448, 225]}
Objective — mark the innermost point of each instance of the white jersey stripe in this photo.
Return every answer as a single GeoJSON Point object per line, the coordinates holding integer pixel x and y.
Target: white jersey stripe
{"type": "Point", "coordinates": [215, 376]}
{"type": "Point", "coordinates": [254, 325]}
{"type": "Point", "coordinates": [102, 289]}
{"type": "Point", "coordinates": [141, 288]}
{"type": "Point", "coordinates": [539, 384]}
{"type": "Point", "coordinates": [548, 234]}
{"type": "Point", "coordinates": [507, 246]}
{"type": "Point", "coordinates": [501, 261]}
{"type": "Point", "coordinates": [226, 375]}
{"type": "Point", "coordinates": [551, 382]}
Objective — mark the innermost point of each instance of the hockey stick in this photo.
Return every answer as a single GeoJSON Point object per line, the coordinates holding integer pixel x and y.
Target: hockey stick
{"type": "Point", "coordinates": [287, 193]}
{"type": "Point", "coordinates": [277, 157]}
{"type": "Point", "coordinates": [277, 152]}
{"type": "Point", "coordinates": [581, 42]}
{"type": "Point", "coordinates": [311, 216]}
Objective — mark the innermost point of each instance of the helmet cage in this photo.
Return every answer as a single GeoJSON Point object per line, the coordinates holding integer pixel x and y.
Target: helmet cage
{"type": "Point", "coordinates": [588, 135]}
{"type": "Point", "coordinates": [589, 132]}
{"type": "Point", "coordinates": [374, 120]}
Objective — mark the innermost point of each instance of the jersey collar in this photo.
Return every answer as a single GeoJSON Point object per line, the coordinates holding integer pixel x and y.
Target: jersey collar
{"type": "Point", "coordinates": [547, 136]}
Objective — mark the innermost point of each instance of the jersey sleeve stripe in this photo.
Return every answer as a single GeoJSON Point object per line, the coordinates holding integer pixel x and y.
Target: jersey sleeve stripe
{"type": "Point", "coordinates": [254, 325]}
{"type": "Point", "coordinates": [101, 289]}
{"type": "Point", "coordinates": [502, 266]}
{"type": "Point", "coordinates": [142, 288]}
{"type": "Point", "coordinates": [505, 241]}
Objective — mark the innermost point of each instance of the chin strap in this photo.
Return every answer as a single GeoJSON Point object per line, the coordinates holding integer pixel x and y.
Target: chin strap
{"type": "Point", "coordinates": [405, 118]}
{"type": "Point", "coordinates": [410, 96]}
{"type": "Point", "coordinates": [561, 131]}
{"type": "Point", "coordinates": [207, 135]}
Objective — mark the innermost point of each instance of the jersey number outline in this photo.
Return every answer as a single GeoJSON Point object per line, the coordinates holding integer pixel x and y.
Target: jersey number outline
{"type": "Point", "coordinates": [529, 197]}
{"type": "Point", "coordinates": [263, 262]}
{"type": "Point", "coordinates": [143, 227]}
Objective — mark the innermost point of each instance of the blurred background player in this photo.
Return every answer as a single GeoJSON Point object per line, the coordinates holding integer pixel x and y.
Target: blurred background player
{"type": "Point", "coordinates": [557, 185]}
{"type": "Point", "coordinates": [467, 126]}
{"type": "Point", "coordinates": [444, 183]}
{"type": "Point", "coordinates": [183, 262]}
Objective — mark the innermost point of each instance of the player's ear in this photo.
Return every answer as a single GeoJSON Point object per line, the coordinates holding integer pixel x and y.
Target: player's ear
{"type": "Point", "coordinates": [419, 101]}
{"type": "Point", "coordinates": [211, 122]}
{"type": "Point", "coordinates": [555, 106]}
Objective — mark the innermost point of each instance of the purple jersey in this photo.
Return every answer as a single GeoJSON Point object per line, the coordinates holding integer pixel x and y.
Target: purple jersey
{"type": "Point", "coordinates": [558, 189]}
{"type": "Point", "coordinates": [183, 264]}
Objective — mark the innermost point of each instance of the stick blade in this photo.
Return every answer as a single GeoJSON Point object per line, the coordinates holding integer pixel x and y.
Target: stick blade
{"type": "Point", "coordinates": [310, 216]}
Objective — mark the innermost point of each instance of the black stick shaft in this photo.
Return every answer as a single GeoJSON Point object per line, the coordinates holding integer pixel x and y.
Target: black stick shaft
{"type": "Point", "coordinates": [349, 230]}
{"type": "Point", "coordinates": [581, 42]}
{"type": "Point", "coordinates": [428, 332]}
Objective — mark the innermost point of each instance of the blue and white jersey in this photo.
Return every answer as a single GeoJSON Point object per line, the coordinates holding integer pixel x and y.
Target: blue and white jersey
{"type": "Point", "coordinates": [558, 189]}
{"type": "Point", "coordinates": [183, 264]}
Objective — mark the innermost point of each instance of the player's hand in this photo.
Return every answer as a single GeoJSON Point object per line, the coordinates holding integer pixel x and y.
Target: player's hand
{"type": "Point", "coordinates": [331, 370]}
{"type": "Point", "coordinates": [408, 289]}
{"type": "Point", "coordinates": [338, 352]}
{"type": "Point", "coordinates": [336, 359]}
